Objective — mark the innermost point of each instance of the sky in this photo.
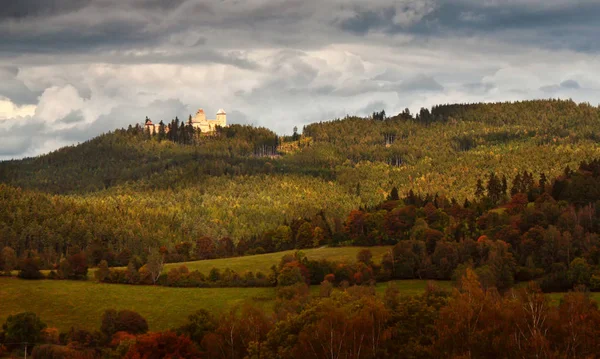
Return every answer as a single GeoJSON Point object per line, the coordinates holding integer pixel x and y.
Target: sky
{"type": "Point", "coordinates": [73, 69]}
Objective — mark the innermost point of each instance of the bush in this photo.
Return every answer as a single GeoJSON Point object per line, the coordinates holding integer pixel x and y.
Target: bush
{"type": "Point", "coordinates": [289, 275]}
{"type": "Point", "coordinates": [200, 323]}
{"type": "Point", "coordinates": [102, 272]}
{"type": "Point", "coordinates": [23, 327]}
{"type": "Point", "coordinates": [64, 269]}
{"type": "Point", "coordinates": [122, 321]}
{"type": "Point", "coordinates": [365, 256]}
{"type": "Point", "coordinates": [30, 269]}
{"type": "Point", "coordinates": [162, 345]}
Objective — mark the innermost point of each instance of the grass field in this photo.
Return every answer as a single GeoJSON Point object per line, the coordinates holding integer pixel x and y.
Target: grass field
{"type": "Point", "coordinates": [263, 262]}
{"type": "Point", "coordinates": [65, 304]}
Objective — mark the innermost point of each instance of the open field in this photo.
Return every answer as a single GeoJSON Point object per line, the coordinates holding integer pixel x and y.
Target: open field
{"type": "Point", "coordinates": [263, 262]}
{"type": "Point", "coordinates": [64, 304]}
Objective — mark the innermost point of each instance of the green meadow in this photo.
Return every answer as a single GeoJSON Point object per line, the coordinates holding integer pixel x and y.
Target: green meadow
{"type": "Point", "coordinates": [65, 304]}
{"type": "Point", "coordinates": [263, 262]}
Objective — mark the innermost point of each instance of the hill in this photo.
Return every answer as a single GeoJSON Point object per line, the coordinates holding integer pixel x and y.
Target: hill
{"type": "Point", "coordinates": [128, 191]}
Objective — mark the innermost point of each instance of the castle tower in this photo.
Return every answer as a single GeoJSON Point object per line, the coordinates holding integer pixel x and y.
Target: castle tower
{"type": "Point", "coordinates": [200, 116]}
{"type": "Point", "coordinates": [221, 118]}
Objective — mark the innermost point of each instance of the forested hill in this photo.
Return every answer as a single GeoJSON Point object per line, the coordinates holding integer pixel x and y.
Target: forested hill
{"type": "Point", "coordinates": [244, 181]}
{"type": "Point", "coordinates": [129, 155]}
{"type": "Point", "coordinates": [345, 162]}
{"type": "Point", "coordinates": [425, 151]}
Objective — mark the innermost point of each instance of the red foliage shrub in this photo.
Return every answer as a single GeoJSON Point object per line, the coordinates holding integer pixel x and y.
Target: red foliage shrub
{"type": "Point", "coordinates": [166, 345]}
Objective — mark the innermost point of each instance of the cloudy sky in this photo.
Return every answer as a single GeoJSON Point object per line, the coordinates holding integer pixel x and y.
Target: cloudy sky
{"type": "Point", "coordinates": [72, 69]}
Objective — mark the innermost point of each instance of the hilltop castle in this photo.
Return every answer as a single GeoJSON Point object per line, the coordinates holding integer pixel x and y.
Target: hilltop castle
{"type": "Point", "coordinates": [199, 121]}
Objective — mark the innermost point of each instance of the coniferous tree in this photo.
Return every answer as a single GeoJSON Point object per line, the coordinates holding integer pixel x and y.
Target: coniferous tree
{"type": "Point", "coordinates": [182, 134]}
{"type": "Point", "coordinates": [161, 131]}
{"type": "Point", "coordinates": [516, 185]}
{"type": "Point", "coordinates": [393, 196]}
{"type": "Point", "coordinates": [543, 182]}
{"type": "Point", "coordinates": [479, 190]}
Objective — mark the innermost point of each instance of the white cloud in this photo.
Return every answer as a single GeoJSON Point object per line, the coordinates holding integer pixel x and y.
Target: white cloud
{"type": "Point", "coordinates": [58, 102]}
{"type": "Point", "coordinates": [8, 110]}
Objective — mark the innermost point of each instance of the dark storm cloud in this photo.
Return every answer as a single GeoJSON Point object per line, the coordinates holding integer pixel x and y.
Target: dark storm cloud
{"type": "Point", "coordinates": [566, 24]}
{"type": "Point", "coordinates": [421, 83]}
{"type": "Point", "coordinates": [518, 15]}
{"type": "Point", "coordinates": [72, 26]}
{"type": "Point", "coordinates": [19, 9]}
{"type": "Point", "coordinates": [72, 118]}
{"type": "Point", "coordinates": [14, 89]}
{"type": "Point", "coordinates": [565, 85]}
{"type": "Point", "coordinates": [368, 20]}
{"type": "Point", "coordinates": [19, 138]}
{"type": "Point", "coordinates": [15, 145]}
{"type": "Point", "coordinates": [64, 41]}
{"type": "Point", "coordinates": [570, 84]}
{"type": "Point", "coordinates": [563, 24]}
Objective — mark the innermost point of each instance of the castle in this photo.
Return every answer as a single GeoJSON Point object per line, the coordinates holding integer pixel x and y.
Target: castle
{"type": "Point", "coordinates": [199, 121]}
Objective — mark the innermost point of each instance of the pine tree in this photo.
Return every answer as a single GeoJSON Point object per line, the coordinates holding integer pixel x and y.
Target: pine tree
{"type": "Point", "coordinates": [467, 204]}
{"type": "Point", "coordinates": [516, 185]}
{"type": "Point", "coordinates": [183, 138]}
{"type": "Point", "coordinates": [494, 188]}
{"type": "Point", "coordinates": [161, 131]}
{"type": "Point", "coordinates": [393, 196]}
{"type": "Point", "coordinates": [543, 182]}
{"type": "Point", "coordinates": [479, 190]}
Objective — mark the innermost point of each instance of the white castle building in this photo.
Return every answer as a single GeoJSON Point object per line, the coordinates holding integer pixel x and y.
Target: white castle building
{"type": "Point", "coordinates": [198, 121]}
